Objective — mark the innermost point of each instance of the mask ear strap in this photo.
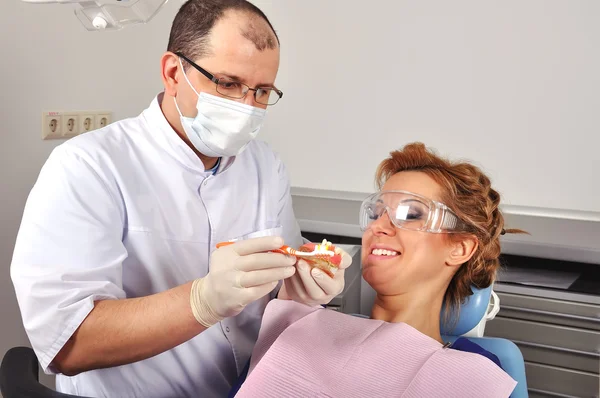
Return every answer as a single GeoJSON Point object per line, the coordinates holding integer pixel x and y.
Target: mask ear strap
{"type": "Point", "coordinates": [186, 78]}
{"type": "Point", "coordinates": [177, 106]}
{"type": "Point", "coordinates": [188, 82]}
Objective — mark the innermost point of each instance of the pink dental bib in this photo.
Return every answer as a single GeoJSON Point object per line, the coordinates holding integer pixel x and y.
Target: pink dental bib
{"type": "Point", "coordinates": [313, 352]}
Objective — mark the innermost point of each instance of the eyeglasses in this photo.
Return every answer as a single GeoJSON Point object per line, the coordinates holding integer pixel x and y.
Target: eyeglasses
{"type": "Point", "coordinates": [410, 211]}
{"type": "Point", "coordinates": [234, 89]}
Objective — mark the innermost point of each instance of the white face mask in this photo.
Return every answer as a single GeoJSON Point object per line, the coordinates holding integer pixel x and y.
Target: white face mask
{"type": "Point", "coordinates": [222, 127]}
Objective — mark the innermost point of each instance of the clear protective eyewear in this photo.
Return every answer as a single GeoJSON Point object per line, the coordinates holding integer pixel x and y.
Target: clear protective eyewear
{"type": "Point", "coordinates": [410, 211]}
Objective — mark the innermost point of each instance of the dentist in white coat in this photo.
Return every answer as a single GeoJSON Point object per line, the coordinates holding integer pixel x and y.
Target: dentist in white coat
{"type": "Point", "coordinates": [121, 290]}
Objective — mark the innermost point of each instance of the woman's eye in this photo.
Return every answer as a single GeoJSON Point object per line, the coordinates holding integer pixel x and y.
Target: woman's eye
{"type": "Point", "coordinates": [371, 213]}
{"type": "Point", "coordinates": [414, 216]}
{"type": "Point", "coordinates": [374, 212]}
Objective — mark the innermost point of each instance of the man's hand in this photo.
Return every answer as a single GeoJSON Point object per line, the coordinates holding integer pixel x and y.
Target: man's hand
{"type": "Point", "coordinates": [314, 287]}
{"type": "Point", "coordinates": [240, 273]}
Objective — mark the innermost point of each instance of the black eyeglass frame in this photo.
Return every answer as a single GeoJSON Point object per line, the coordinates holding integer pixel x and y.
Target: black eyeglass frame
{"type": "Point", "coordinates": [216, 80]}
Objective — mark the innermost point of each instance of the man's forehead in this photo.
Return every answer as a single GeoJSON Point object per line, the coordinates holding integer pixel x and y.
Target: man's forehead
{"type": "Point", "coordinates": [239, 58]}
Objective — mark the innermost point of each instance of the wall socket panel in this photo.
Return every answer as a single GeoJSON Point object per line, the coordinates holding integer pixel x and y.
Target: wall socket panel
{"type": "Point", "coordinates": [62, 125]}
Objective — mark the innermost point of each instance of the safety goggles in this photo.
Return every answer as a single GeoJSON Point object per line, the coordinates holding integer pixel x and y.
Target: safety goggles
{"type": "Point", "coordinates": [410, 211]}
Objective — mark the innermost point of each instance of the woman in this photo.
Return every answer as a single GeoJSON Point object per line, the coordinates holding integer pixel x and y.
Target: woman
{"type": "Point", "coordinates": [439, 223]}
{"type": "Point", "coordinates": [430, 233]}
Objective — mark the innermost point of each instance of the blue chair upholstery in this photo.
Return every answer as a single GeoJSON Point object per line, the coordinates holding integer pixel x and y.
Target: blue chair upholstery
{"type": "Point", "coordinates": [470, 315]}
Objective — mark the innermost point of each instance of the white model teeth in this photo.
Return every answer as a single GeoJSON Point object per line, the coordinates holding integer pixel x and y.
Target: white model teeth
{"type": "Point", "coordinates": [383, 252]}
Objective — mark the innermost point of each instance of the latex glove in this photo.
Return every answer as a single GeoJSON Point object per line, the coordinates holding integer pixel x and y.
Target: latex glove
{"type": "Point", "coordinates": [239, 274]}
{"type": "Point", "coordinates": [314, 287]}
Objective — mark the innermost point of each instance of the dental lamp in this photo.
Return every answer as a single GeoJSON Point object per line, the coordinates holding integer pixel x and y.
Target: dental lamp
{"type": "Point", "coordinates": [98, 15]}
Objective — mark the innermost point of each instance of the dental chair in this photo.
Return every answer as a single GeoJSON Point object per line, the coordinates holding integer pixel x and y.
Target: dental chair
{"type": "Point", "coordinates": [479, 308]}
{"type": "Point", "coordinates": [19, 376]}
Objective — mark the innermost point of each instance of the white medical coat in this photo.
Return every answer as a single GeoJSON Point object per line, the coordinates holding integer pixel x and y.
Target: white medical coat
{"type": "Point", "coordinates": [128, 211]}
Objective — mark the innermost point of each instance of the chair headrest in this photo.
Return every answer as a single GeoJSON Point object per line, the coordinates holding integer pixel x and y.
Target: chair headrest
{"type": "Point", "coordinates": [471, 313]}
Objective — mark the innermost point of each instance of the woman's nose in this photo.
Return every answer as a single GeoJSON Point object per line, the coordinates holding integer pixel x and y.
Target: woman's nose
{"type": "Point", "coordinates": [383, 225]}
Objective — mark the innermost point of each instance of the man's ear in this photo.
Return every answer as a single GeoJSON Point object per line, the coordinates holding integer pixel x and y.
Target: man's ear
{"type": "Point", "coordinates": [169, 67]}
{"type": "Point", "coordinates": [462, 250]}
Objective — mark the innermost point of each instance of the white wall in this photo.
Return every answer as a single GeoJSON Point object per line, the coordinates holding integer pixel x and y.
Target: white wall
{"type": "Point", "coordinates": [512, 85]}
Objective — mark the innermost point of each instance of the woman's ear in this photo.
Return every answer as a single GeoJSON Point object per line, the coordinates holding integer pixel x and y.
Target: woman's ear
{"type": "Point", "coordinates": [462, 250]}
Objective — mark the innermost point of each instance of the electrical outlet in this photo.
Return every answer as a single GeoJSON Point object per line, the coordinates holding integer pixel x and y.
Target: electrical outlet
{"type": "Point", "coordinates": [102, 120]}
{"type": "Point", "coordinates": [57, 125]}
{"type": "Point", "coordinates": [70, 125]}
{"type": "Point", "coordinates": [86, 122]}
{"type": "Point", "coordinates": [51, 125]}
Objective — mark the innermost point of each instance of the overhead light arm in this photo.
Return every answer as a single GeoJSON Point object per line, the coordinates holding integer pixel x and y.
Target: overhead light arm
{"type": "Point", "coordinates": [110, 14]}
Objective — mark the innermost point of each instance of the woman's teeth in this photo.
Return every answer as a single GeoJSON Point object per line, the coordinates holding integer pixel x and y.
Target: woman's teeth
{"type": "Point", "coordinates": [383, 252]}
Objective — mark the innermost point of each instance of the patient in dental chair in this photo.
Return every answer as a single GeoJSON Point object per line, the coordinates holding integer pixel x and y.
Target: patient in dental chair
{"type": "Point", "coordinates": [429, 234]}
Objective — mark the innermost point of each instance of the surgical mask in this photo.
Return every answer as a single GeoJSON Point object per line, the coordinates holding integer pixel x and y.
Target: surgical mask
{"type": "Point", "coordinates": [407, 210]}
{"type": "Point", "coordinates": [222, 127]}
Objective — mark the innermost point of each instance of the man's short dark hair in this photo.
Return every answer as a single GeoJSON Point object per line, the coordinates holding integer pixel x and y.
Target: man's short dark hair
{"type": "Point", "coordinates": [193, 23]}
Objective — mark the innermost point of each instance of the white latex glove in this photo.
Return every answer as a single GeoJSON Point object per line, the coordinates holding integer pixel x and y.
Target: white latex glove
{"type": "Point", "coordinates": [314, 287]}
{"type": "Point", "coordinates": [240, 273]}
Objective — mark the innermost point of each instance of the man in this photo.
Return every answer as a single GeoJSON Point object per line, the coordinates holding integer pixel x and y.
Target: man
{"type": "Point", "coordinates": [121, 291]}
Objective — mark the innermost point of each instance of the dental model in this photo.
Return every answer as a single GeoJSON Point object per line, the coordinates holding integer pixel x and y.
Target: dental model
{"type": "Point", "coordinates": [324, 256]}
